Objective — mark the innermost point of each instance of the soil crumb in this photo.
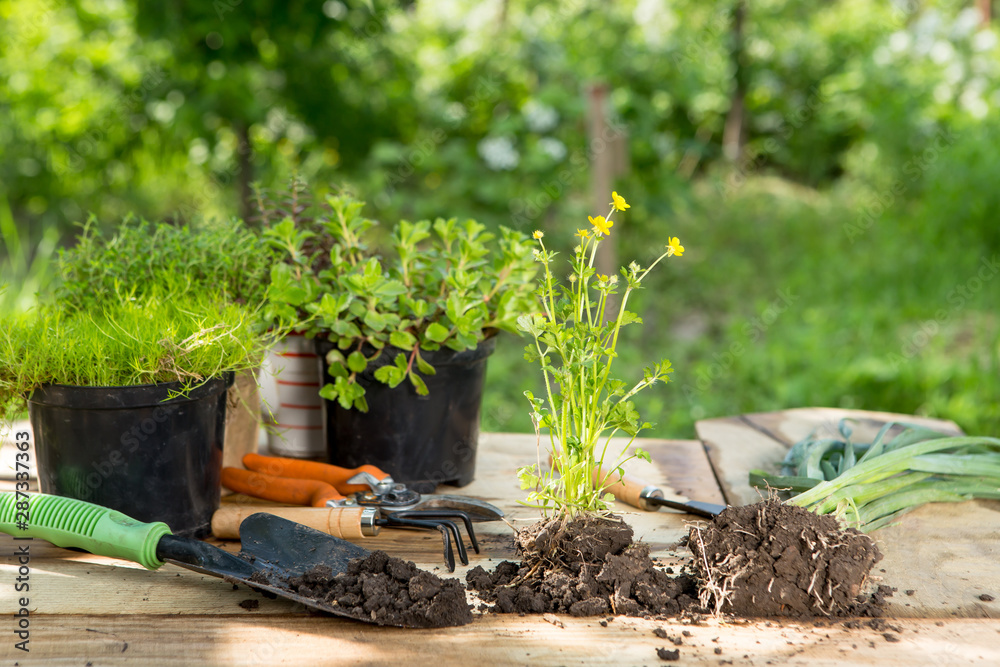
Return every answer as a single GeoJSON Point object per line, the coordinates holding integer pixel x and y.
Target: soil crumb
{"type": "Point", "coordinates": [388, 591]}
{"type": "Point", "coordinates": [250, 605]}
{"type": "Point", "coordinates": [588, 566]}
{"type": "Point", "coordinates": [666, 654]}
{"type": "Point", "coordinates": [773, 559]}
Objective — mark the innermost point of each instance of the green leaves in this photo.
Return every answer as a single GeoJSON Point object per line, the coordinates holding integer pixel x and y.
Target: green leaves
{"type": "Point", "coordinates": [437, 333]}
{"type": "Point", "coordinates": [374, 320]}
{"type": "Point", "coordinates": [390, 375]}
{"type": "Point", "coordinates": [346, 393]}
{"type": "Point", "coordinates": [404, 340]}
{"type": "Point", "coordinates": [357, 362]}
{"type": "Point", "coordinates": [531, 324]}
{"type": "Point", "coordinates": [444, 285]}
{"type": "Point", "coordinates": [576, 345]}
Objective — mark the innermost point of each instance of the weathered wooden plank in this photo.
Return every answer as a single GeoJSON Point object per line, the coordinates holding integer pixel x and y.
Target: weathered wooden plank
{"type": "Point", "coordinates": [9, 450]}
{"type": "Point", "coordinates": [65, 582]}
{"type": "Point", "coordinates": [947, 554]}
{"type": "Point", "coordinates": [267, 640]}
{"type": "Point", "coordinates": [686, 469]}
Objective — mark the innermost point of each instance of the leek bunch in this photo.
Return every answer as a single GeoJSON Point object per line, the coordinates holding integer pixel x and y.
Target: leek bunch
{"type": "Point", "coordinates": [869, 485]}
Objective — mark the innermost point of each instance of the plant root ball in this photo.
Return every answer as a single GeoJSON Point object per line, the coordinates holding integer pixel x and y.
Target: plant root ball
{"type": "Point", "coordinates": [585, 567]}
{"type": "Point", "coordinates": [773, 559]}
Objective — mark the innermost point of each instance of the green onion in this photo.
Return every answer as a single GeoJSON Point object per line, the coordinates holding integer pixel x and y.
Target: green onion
{"type": "Point", "coordinates": [870, 485]}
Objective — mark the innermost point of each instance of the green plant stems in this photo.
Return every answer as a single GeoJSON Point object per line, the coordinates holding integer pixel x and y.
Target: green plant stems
{"type": "Point", "coordinates": [576, 350]}
{"type": "Point", "coordinates": [893, 477]}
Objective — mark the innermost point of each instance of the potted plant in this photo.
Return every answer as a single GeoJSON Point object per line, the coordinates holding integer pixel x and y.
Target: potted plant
{"type": "Point", "coordinates": [404, 322]}
{"type": "Point", "coordinates": [125, 367]}
{"type": "Point", "coordinates": [127, 402]}
{"type": "Point", "coordinates": [225, 258]}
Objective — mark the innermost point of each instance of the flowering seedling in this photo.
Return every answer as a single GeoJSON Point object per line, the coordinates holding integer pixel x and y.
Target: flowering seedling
{"type": "Point", "coordinates": [575, 343]}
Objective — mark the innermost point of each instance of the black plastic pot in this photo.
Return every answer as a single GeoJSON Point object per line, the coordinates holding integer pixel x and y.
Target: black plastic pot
{"type": "Point", "coordinates": [420, 440]}
{"type": "Point", "coordinates": [134, 449]}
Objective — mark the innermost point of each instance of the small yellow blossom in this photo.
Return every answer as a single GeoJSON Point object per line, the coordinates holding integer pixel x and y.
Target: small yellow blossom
{"type": "Point", "coordinates": [583, 233]}
{"type": "Point", "coordinates": [601, 278]}
{"type": "Point", "coordinates": [538, 234]}
{"type": "Point", "coordinates": [601, 225]}
{"type": "Point", "coordinates": [675, 247]}
{"type": "Point", "coordinates": [619, 202]}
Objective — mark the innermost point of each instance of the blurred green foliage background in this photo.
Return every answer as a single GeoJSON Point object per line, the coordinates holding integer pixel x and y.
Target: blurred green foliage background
{"type": "Point", "coordinates": [843, 252]}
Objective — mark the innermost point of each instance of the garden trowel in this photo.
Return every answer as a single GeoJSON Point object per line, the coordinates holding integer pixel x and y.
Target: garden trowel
{"type": "Point", "coordinates": [273, 549]}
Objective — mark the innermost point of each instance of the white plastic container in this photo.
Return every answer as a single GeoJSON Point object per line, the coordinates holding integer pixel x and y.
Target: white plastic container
{"type": "Point", "coordinates": [297, 408]}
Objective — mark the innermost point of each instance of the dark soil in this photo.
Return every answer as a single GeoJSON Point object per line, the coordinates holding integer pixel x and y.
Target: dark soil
{"type": "Point", "coordinates": [773, 559]}
{"type": "Point", "coordinates": [585, 567]}
{"type": "Point", "coordinates": [667, 654]}
{"type": "Point", "coordinates": [388, 591]}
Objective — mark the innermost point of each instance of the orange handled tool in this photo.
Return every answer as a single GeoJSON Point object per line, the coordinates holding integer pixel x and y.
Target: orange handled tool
{"type": "Point", "coordinates": [335, 476]}
{"type": "Point", "coordinates": [645, 496]}
{"type": "Point", "coordinates": [310, 492]}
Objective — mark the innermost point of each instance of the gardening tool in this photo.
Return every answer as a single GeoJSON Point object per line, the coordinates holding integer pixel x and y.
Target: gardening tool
{"type": "Point", "coordinates": [272, 549]}
{"type": "Point", "coordinates": [649, 497]}
{"type": "Point", "coordinates": [323, 485]}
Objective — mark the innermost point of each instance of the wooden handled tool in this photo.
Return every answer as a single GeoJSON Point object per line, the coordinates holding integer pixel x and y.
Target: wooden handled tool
{"type": "Point", "coordinates": [649, 497]}
{"type": "Point", "coordinates": [349, 523]}
{"type": "Point", "coordinates": [309, 492]}
{"type": "Point", "coordinates": [335, 476]}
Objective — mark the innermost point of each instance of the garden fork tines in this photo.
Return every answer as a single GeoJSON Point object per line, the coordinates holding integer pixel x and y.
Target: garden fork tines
{"type": "Point", "coordinates": [440, 520]}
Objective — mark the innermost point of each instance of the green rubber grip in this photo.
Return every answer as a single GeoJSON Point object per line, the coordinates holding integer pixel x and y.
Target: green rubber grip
{"type": "Point", "coordinates": [66, 522]}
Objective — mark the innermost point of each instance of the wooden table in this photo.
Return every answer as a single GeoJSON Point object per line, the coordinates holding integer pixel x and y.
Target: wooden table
{"type": "Point", "coordinates": [90, 610]}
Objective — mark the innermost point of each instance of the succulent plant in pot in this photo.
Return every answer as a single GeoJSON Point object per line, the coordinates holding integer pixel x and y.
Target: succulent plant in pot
{"type": "Point", "coordinates": [404, 322]}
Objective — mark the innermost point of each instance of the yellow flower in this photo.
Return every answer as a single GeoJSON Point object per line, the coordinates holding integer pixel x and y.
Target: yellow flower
{"type": "Point", "coordinates": [675, 246]}
{"type": "Point", "coordinates": [619, 202]}
{"type": "Point", "coordinates": [601, 225]}
{"type": "Point", "coordinates": [583, 233]}
{"type": "Point", "coordinates": [537, 234]}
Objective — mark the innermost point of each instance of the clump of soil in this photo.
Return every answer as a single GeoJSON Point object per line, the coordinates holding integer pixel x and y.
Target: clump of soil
{"type": "Point", "coordinates": [388, 591]}
{"type": "Point", "coordinates": [773, 559]}
{"type": "Point", "coordinates": [588, 566]}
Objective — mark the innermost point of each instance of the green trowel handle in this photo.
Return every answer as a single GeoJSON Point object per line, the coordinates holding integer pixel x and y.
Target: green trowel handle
{"type": "Point", "coordinates": [66, 522]}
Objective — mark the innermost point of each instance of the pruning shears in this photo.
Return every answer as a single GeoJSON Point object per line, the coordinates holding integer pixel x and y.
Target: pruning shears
{"type": "Point", "coordinates": [347, 502]}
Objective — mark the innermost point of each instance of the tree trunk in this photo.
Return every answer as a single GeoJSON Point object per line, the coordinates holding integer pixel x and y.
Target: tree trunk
{"type": "Point", "coordinates": [734, 135]}
{"type": "Point", "coordinates": [602, 173]}
{"type": "Point", "coordinates": [245, 172]}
